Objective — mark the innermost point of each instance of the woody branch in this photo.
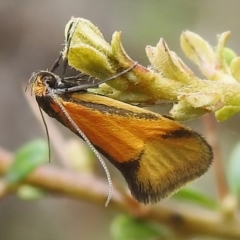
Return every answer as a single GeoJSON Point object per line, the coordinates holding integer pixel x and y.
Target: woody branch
{"type": "Point", "coordinates": [92, 189]}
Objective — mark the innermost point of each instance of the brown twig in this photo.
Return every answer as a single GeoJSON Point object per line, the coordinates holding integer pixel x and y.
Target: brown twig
{"type": "Point", "coordinates": [90, 188]}
{"type": "Point", "coordinates": [212, 137]}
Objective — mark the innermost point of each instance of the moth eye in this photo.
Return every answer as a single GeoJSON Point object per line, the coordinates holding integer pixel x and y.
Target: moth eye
{"type": "Point", "coordinates": [50, 81]}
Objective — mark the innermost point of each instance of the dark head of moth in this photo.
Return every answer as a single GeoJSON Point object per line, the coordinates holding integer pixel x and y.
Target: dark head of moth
{"type": "Point", "coordinates": [155, 154]}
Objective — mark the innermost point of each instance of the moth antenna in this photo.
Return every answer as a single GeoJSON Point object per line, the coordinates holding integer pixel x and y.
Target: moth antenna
{"type": "Point", "coordinates": [81, 133]}
{"type": "Point", "coordinates": [47, 132]}
{"type": "Point", "coordinates": [56, 64]}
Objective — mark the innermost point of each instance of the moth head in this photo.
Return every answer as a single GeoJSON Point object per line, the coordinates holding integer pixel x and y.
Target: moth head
{"type": "Point", "coordinates": [41, 81]}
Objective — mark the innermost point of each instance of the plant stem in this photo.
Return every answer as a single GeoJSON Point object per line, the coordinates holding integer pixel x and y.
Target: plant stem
{"type": "Point", "coordinates": [90, 188]}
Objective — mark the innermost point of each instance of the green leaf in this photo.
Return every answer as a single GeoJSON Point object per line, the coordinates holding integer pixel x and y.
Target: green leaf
{"type": "Point", "coordinates": [196, 197]}
{"type": "Point", "coordinates": [126, 228]}
{"type": "Point", "coordinates": [27, 192]}
{"type": "Point", "coordinates": [233, 171]}
{"type": "Point", "coordinates": [26, 159]}
{"type": "Point", "coordinates": [228, 55]}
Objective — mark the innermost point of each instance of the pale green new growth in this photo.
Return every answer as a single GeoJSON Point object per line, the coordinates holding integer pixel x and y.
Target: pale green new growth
{"type": "Point", "coordinates": [168, 78]}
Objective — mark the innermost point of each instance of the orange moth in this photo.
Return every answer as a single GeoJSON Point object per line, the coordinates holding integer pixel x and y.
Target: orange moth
{"type": "Point", "coordinates": [155, 154]}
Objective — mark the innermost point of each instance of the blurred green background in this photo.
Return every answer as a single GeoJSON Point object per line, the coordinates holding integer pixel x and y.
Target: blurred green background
{"type": "Point", "coordinates": [31, 36]}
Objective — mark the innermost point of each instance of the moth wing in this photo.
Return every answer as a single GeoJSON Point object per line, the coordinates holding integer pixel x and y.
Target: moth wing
{"type": "Point", "coordinates": [166, 164]}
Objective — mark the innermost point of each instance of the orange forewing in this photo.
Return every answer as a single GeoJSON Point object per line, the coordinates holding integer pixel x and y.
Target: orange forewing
{"type": "Point", "coordinates": [156, 155]}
